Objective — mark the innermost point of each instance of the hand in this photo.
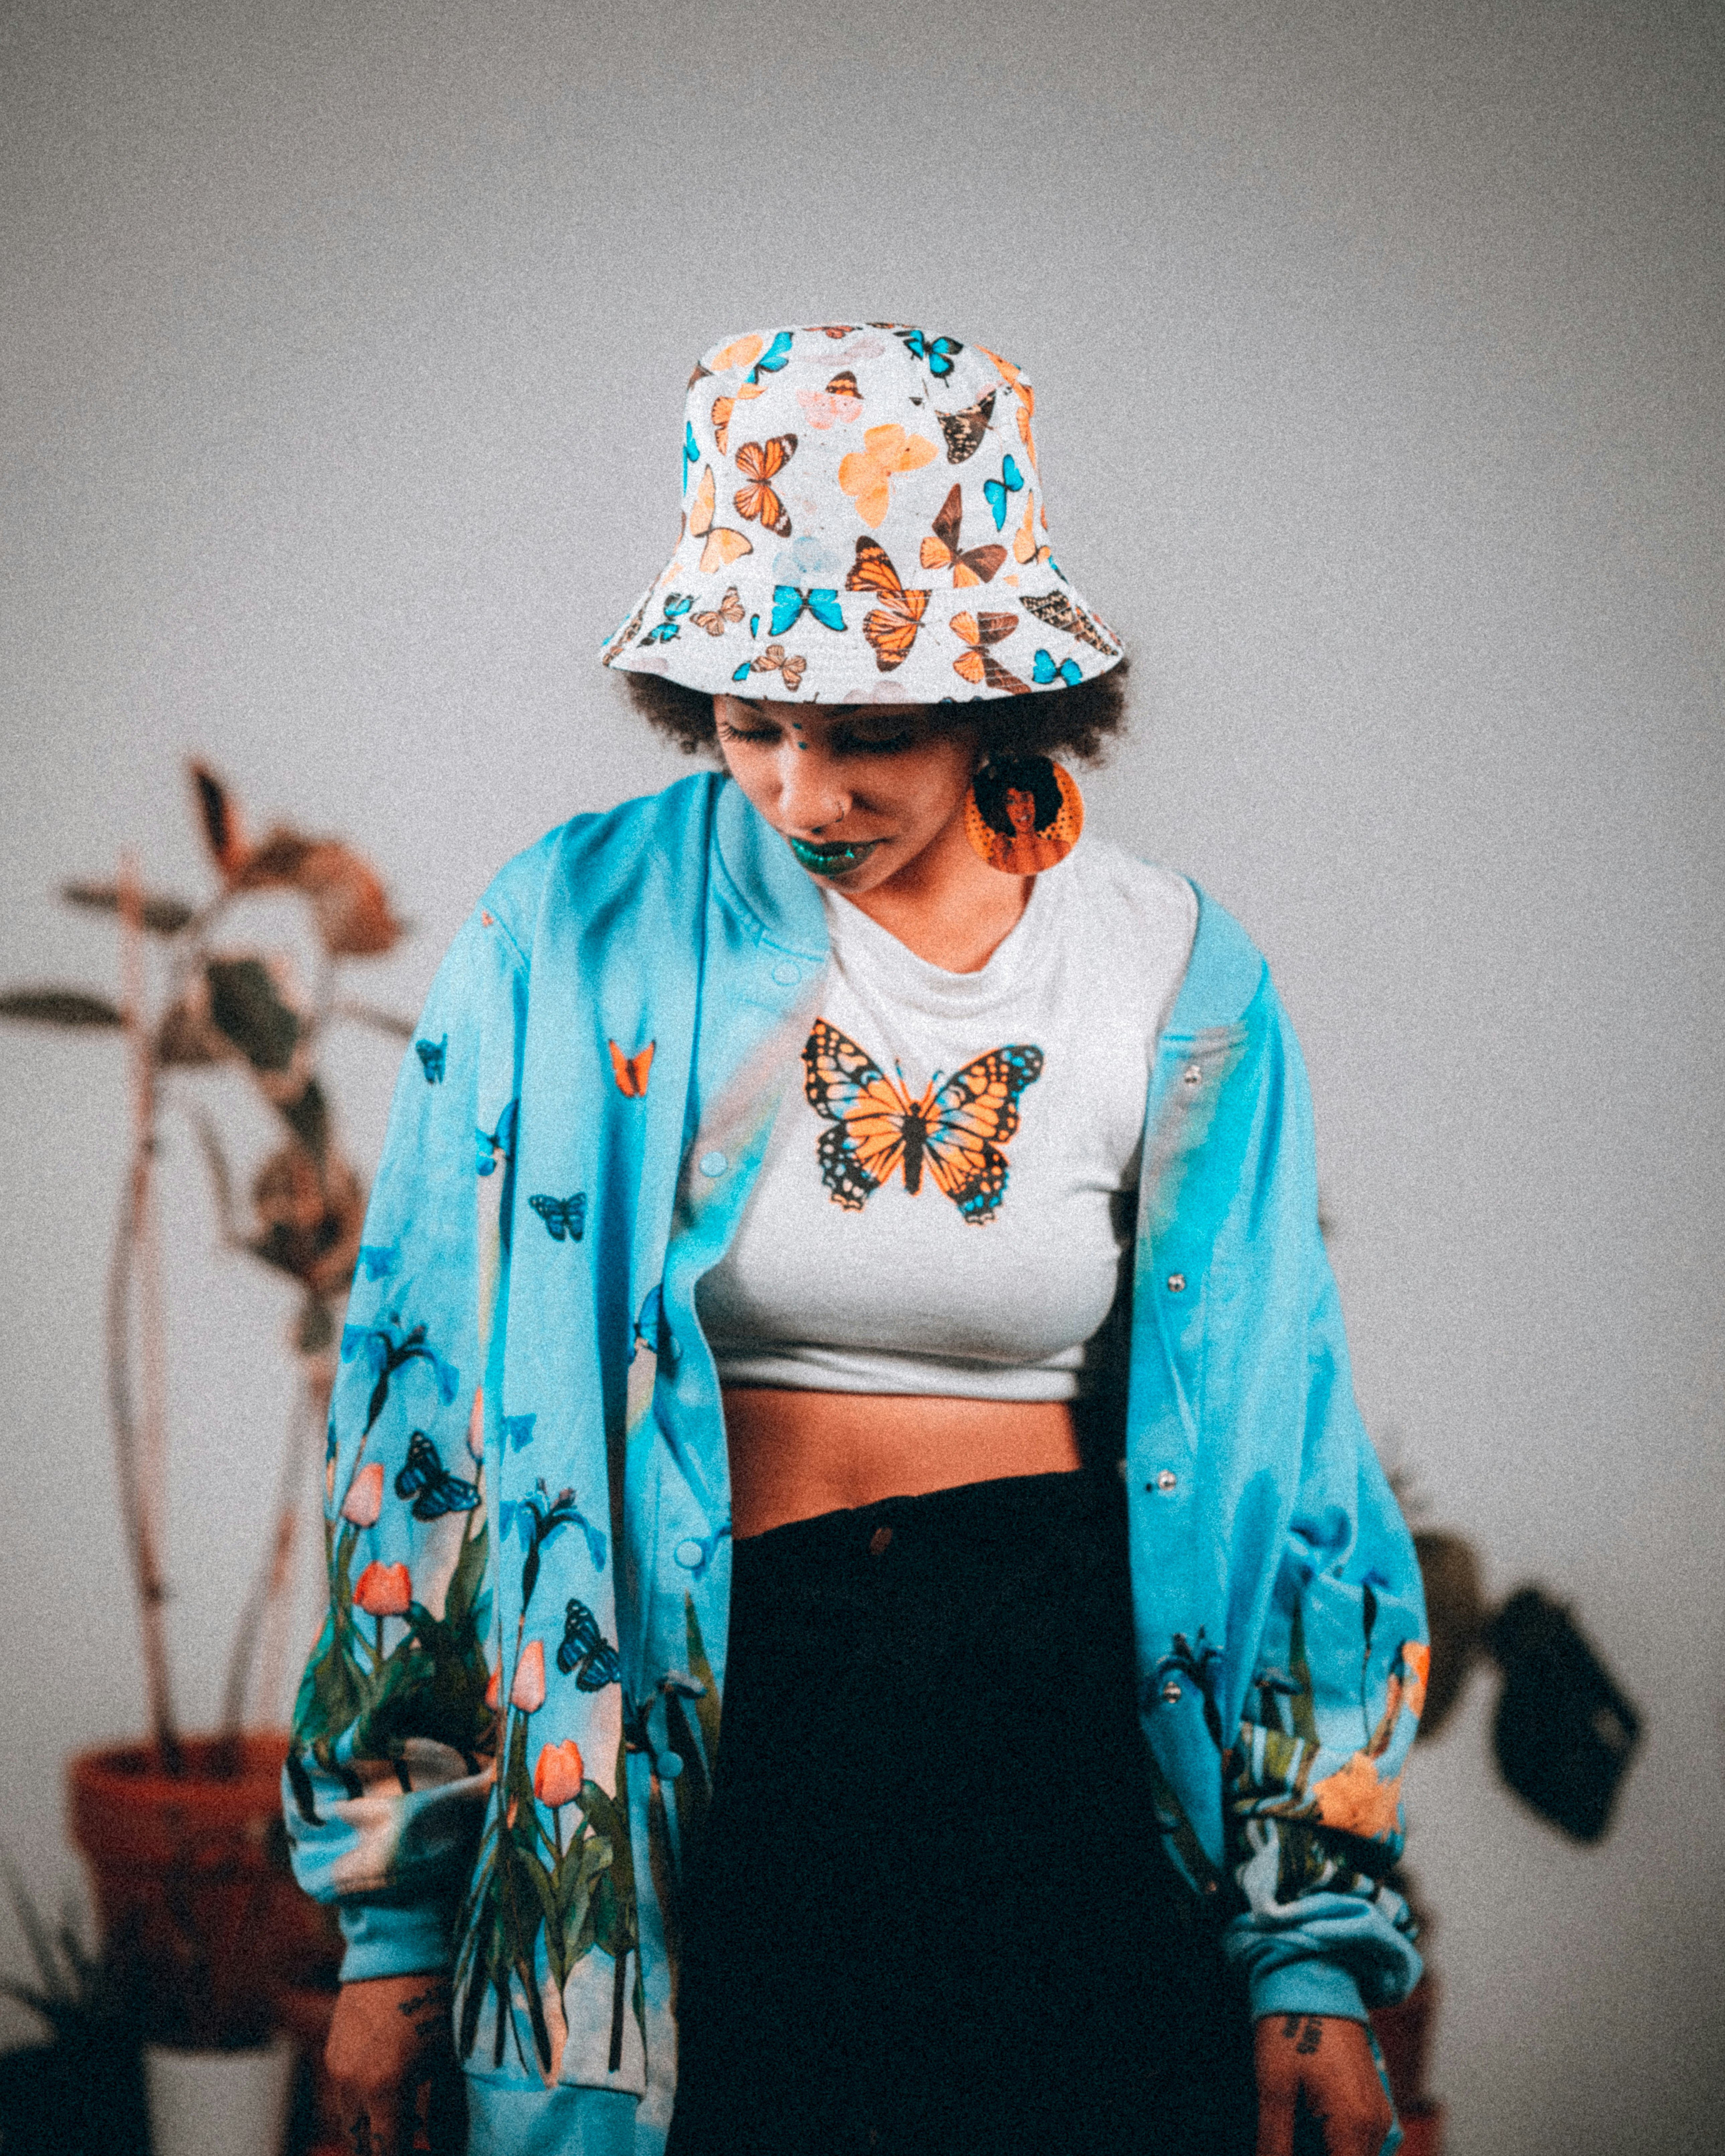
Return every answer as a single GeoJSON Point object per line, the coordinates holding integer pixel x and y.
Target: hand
{"type": "Point", "coordinates": [1327, 2061]}
{"type": "Point", "coordinates": [391, 2057]}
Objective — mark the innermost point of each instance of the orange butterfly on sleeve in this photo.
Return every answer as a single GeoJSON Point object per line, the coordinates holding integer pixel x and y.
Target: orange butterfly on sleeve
{"type": "Point", "coordinates": [630, 1072]}
{"type": "Point", "coordinates": [979, 664]}
{"type": "Point", "coordinates": [970, 565]}
{"type": "Point", "coordinates": [891, 627]}
{"type": "Point", "coordinates": [723, 544]}
{"type": "Point", "coordinates": [759, 463]}
{"type": "Point", "coordinates": [878, 1130]}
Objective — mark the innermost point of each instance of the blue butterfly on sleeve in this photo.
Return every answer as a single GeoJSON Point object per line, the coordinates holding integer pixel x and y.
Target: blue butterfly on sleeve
{"type": "Point", "coordinates": [492, 1146]}
{"type": "Point", "coordinates": [433, 1490]}
{"type": "Point", "coordinates": [518, 1430]}
{"type": "Point", "coordinates": [586, 1654]}
{"type": "Point", "coordinates": [563, 1216]}
{"type": "Point", "coordinates": [380, 1259]}
{"type": "Point", "coordinates": [789, 605]}
{"type": "Point", "coordinates": [430, 1053]}
{"type": "Point", "coordinates": [996, 491]}
{"type": "Point", "coordinates": [776, 355]}
{"type": "Point", "coordinates": [675, 607]}
{"type": "Point", "coordinates": [1044, 671]}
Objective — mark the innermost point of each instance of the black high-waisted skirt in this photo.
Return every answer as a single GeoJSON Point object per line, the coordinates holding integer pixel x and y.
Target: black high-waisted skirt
{"type": "Point", "coordinates": [930, 1910]}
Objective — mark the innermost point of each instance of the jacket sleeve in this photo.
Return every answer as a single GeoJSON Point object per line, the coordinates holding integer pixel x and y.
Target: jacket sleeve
{"type": "Point", "coordinates": [1329, 1600]}
{"type": "Point", "coordinates": [392, 1756]}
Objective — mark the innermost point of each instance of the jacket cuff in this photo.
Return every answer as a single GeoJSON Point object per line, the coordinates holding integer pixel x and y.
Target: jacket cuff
{"type": "Point", "coordinates": [1312, 1986]}
{"type": "Point", "coordinates": [389, 1938]}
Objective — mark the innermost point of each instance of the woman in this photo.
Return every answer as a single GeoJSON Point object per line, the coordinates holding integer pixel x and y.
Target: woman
{"type": "Point", "coordinates": [823, 1264]}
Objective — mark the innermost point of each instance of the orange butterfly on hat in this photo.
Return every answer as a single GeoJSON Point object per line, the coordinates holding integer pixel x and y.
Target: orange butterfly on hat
{"type": "Point", "coordinates": [729, 609]}
{"type": "Point", "coordinates": [867, 474]}
{"type": "Point", "coordinates": [979, 664]}
{"type": "Point", "coordinates": [840, 402]}
{"type": "Point", "coordinates": [891, 627]}
{"type": "Point", "coordinates": [1024, 547]}
{"type": "Point", "coordinates": [1026, 396]}
{"type": "Point", "coordinates": [724, 546]}
{"type": "Point", "coordinates": [759, 463]}
{"type": "Point", "coordinates": [970, 565]}
{"type": "Point", "coordinates": [772, 660]}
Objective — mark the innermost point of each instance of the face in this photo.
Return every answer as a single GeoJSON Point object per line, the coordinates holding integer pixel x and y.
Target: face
{"type": "Point", "coordinates": [860, 791]}
{"type": "Point", "coordinates": [1021, 810]}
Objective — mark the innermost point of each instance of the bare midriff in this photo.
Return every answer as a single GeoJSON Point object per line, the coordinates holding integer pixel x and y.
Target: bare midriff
{"type": "Point", "coordinates": [796, 1455]}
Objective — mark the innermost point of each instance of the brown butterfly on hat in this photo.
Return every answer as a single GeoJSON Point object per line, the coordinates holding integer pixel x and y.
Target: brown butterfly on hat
{"type": "Point", "coordinates": [760, 463]}
{"type": "Point", "coordinates": [716, 621]}
{"type": "Point", "coordinates": [773, 661]}
{"type": "Point", "coordinates": [970, 565]}
{"type": "Point", "coordinates": [964, 430]}
{"type": "Point", "coordinates": [979, 664]}
{"type": "Point", "coordinates": [1059, 612]}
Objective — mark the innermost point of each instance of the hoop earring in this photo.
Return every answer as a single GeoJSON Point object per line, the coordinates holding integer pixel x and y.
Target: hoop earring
{"type": "Point", "coordinates": [1027, 785]}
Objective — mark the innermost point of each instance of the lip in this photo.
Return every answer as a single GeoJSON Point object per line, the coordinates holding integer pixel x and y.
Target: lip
{"type": "Point", "coordinates": [833, 860]}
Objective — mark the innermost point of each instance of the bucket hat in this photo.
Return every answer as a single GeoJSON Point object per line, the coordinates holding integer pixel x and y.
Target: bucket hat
{"type": "Point", "coordinates": [863, 522]}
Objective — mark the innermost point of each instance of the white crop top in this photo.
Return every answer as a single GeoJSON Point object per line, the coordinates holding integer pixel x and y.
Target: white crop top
{"type": "Point", "coordinates": [947, 1196]}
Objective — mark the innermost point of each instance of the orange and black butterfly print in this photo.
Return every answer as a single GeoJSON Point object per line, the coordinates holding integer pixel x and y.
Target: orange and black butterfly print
{"type": "Point", "coordinates": [979, 664]}
{"type": "Point", "coordinates": [964, 430]}
{"type": "Point", "coordinates": [1059, 612]}
{"type": "Point", "coordinates": [891, 627]}
{"type": "Point", "coordinates": [631, 1072]}
{"type": "Point", "coordinates": [759, 462]}
{"type": "Point", "coordinates": [729, 609]}
{"type": "Point", "coordinates": [970, 565]}
{"type": "Point", "coordinates": [878, 1131]}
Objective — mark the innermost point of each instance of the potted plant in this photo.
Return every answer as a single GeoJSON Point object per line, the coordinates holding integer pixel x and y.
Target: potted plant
{"type": "Point", "coordinates": [200, 1921]}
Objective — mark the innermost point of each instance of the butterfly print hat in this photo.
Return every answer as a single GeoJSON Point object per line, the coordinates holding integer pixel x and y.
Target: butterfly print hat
{"type": "Point", "coordinates": [863, 522]}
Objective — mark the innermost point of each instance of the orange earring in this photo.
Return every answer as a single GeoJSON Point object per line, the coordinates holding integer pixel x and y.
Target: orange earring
{"type": "Point", "coordinates": [1024, 814]}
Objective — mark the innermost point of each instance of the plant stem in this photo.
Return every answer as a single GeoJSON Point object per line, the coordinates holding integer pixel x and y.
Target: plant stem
{"type": "Point", "coordinates": [140, 1452]}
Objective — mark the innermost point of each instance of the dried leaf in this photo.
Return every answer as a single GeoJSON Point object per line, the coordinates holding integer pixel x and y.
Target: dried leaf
{"type": "Point", "coordinates": [247, 1008]}
{"type": "Point", "coordinates": [348, 901]}
{"type": "Point", "coordinates": [307, 1116]}
{"type": "Point", "coordinates": [186, 1040]}
{"type": "Point", "coordinates": [316, 1332]}
{"type": "Point", "coordinates": [308, 1220]}
{"type": "Point", "coordinates": [277, 859]}
{"type": "Point", "coordinates": [162, 916]}
{"type": "Point", "coordinates": [66, 1007]}
{"type": "Point", "coordinates": [221, 820]}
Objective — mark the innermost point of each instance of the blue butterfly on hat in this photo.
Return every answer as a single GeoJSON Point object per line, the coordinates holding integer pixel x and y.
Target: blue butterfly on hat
{"type": "Point", "coordinates": [936, 354]}
{"type": "Point", "coordinates": [1045, 673]}
{"type": "Point", "coordinates": [996, 492]}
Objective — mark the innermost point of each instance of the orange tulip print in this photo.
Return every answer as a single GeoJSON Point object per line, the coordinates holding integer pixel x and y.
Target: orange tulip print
{"type": "Point", "coordinates": [559, 1774]}
{"type": "Point", "coordinates": [527, 1692]}
{"type": "Point", "coordinates": [383, 1590]}
{"type": "Point", "coordinates": [363, 1502]}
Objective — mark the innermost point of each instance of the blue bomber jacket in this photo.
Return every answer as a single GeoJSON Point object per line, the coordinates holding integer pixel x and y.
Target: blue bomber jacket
{"type": "Point", "coordinates": [505, 1736]}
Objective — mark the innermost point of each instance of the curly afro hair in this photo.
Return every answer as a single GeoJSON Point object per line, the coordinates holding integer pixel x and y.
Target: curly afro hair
{"type": "Point", "coordinates": [1080, 722]}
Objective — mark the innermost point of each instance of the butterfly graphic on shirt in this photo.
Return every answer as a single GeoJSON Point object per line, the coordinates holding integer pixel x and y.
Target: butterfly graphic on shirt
{"type": "Point", "coordinates": [431, 1055]}
{"type": "Point", "coordinates": [956, 1130]}
{"type": "Point", "coordinates": [891, 628]}
{"type": "Point", "coordinates": [723, 545]}
{"type": "Point", "coordinates": [964, 430]}
{"type": "Point", "coordinates": [631, 1072]}
{"type": "Point", "coordinates": [997, 491]}
{"type": "Point", "coordinates": [790, 603]}
{"type": "Point", "coordinates": [491, 1147]}
{"type": "Point", "coordinates": [1060, 612]}
{"type": "Point", "coordinates": [563, 1216]}
{"type": "Point", "coordinates": [586, 1654]}
{"type": "Point", "coordinates": [970, 565]}
{"type": "Point", "coordinates": [774, 660]}
{"type": "Point", "coordinates": [716, 620]}
{"type": "Point", "coordinates": [978, 665]}
{"type": "Point", "coordinates": [430, 1485]}
{"type": "Point", "coordinates": [759, 463]}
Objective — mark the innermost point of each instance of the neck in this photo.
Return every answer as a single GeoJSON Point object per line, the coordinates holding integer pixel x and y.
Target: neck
{"type": "Point", "coordinates": [948, 906]}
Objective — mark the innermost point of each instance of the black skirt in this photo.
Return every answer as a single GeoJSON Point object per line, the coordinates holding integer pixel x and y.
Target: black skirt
{"type": "Point", "coordinates": [930, 1909]}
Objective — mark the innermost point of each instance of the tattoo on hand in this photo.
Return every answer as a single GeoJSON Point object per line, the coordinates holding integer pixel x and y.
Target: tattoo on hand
{"type": "Point", "coordinates": [1304, 2039]}
{"type": "Point", "coordinates": [412, 2008]}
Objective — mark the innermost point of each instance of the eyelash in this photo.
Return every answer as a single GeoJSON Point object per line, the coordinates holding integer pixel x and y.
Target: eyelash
{"type": "Point", "coordinates": [854, 747]}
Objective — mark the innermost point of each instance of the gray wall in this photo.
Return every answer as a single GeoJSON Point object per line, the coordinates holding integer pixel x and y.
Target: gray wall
{"type": "Point", "coordinates": [341, 355]}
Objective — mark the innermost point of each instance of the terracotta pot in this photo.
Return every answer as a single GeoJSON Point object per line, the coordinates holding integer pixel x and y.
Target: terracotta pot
{"type": "Point", "coordinates": [197, 1904]}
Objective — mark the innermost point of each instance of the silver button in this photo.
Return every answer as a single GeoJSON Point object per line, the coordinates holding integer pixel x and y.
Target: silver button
{"type": "Point", "coordinates": [1193, 1074]}
{"type": "Point", "coordinates": [1176, 1281]}
{"type": "Point", "coordinates": [1170, 1691]}
{"type": "Point", "coordinates": [714, 1163]}
{"type": "Point", "coordinates": [1167, 1478]}
{"type": "Point", "coordinates": [786, 974]}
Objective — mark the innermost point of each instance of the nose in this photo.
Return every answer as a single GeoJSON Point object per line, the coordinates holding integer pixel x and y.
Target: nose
{"type": "Point", "coordinates": [810, 797]}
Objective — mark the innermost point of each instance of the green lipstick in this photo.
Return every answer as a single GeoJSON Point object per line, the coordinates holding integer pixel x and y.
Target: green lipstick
{"type": "Point", "coordinates": [833, 860]}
